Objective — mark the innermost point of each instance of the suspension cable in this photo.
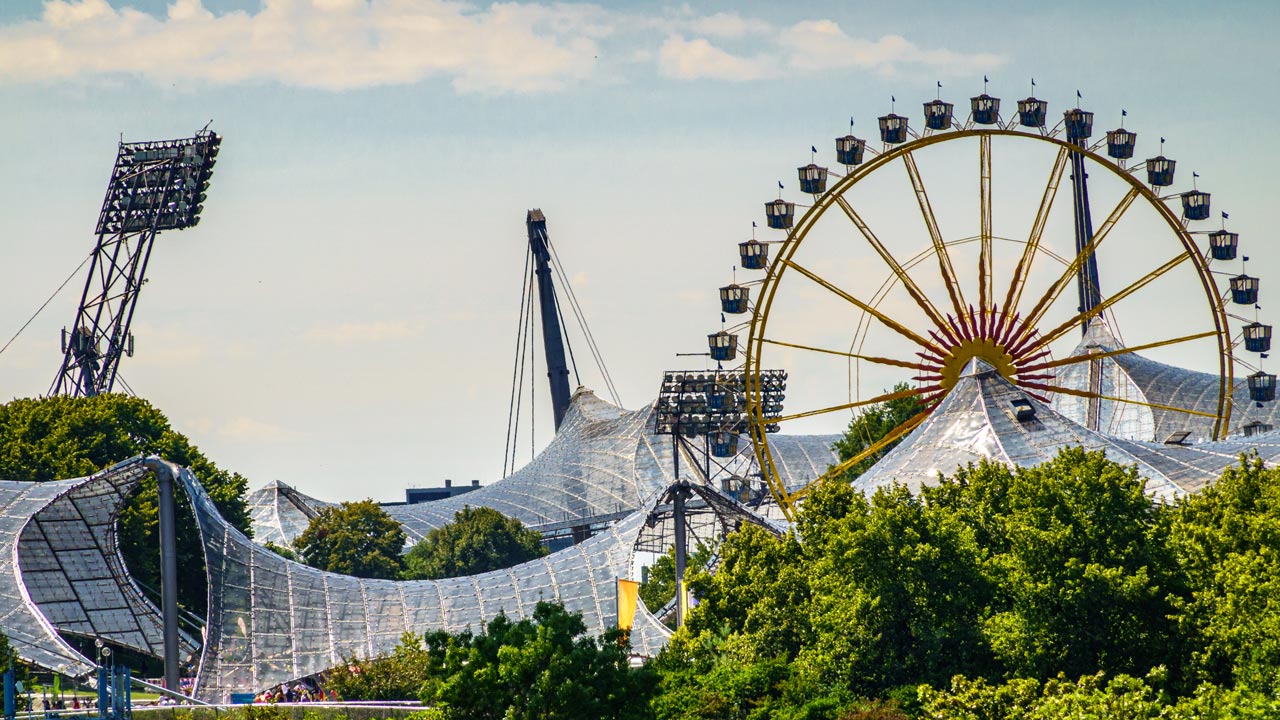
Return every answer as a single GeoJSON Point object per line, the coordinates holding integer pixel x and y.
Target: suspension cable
{"type": "Point", "coordinates": [572, 360]}
{"type": "Point", "coordinates": [533, 381]}
{"type": "Point", "coordinates": [516, 372]}
{"type": "Point", "coordinates": [46, 302]}
{"type": "Point", "coordinates": [581, 317]}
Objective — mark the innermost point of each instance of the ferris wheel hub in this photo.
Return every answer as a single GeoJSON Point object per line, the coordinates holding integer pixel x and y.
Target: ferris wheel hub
{"type": "Point", "coordinates": [985, 349]}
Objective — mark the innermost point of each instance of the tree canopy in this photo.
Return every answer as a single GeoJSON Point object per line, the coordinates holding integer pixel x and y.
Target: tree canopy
{"type": "Point", "coordinates": [478, 540]}
{"type": "Point", "coordinates": [56, 438]}
{"type": "Point", "coordinates": [545, 668]}
{"type": "Point", "coordinates": [1051, 590]}
{"type": "Point", "coordinates": [353, 538]}
{"type": "Point", "coordinates": [873, 424]}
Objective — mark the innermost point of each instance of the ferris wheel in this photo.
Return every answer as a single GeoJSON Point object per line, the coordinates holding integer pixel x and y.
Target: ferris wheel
{"type": "Point", "coordinates": [951, 245]}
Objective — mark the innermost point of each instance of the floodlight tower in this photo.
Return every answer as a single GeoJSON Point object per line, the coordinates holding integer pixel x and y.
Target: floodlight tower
{"type": "Point", "coordinates": [155, 186]}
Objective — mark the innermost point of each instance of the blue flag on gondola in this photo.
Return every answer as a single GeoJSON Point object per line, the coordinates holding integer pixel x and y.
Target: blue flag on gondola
{"type": "Point", "coordinates": [1124, 113]}
{"type": "Point", "coordinates": [1225, 216]}
{"type": "Point", "coordinates": [1079, 96]}
{"type": "Point", "coordinates": [779, 184]}
{"type": "Point", "coordinates": [813, 148]}
{"type": "Point", "coordinates": [721, 318]}
{"type": "Point", "coordinates": [1195, 174]}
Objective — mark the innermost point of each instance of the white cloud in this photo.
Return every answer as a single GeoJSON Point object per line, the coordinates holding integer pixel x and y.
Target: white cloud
{"type": "Point", "coordinates": [511, 47]}
{"type": "Point", "coordinates": [330, 44]}
{"type": "Point", "coordinates": [359, 333]}
{"type": "Point", "coordinates": [729, 25]}
{"type": "Point", "coordinates": [823, 45]}
{"type": "Point", "coordinates": [810, 46]}
{"type": "Point", "coordinates": [699, 59]}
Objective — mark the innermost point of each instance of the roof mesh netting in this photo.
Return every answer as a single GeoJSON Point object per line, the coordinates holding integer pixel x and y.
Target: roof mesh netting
{"type": "Point", "coordinates": [977, 420]}
{"type": "Point", "coordinates": [63, 571]}
{"type": "Point", "coordinates": [278, 513]}
{"type": "Point", "coordinates": [272, 620]}
{"type": "Point", "coordinates": [1133, 377]}
{"type": "Point", "coordinates": [70, 559]}
{"type": "Point", "coordinates": [603, 461]}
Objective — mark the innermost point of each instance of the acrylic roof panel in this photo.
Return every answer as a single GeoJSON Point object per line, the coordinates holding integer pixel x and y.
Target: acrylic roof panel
{"type": "Point", "coordinates": [272, 620]}
{"type": "Point", "coordinates": [603, 461]}
{"type": "Point", "coordinates": [278, 513]}
{"type": "Point", "coordinates": [1143, 380]}
{"type": "Point", "coordinates": [63, 570]}
{"type": "Point", "coordinates": [32, 636]}
{"type": "Point", "coordinates": [70, 560]}
{"type": "Point", "coordinates": [977, 421]}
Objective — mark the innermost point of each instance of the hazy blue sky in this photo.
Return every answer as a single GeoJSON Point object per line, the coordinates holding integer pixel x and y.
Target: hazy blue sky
{"type": "Point", "coordinates": [343, 317]}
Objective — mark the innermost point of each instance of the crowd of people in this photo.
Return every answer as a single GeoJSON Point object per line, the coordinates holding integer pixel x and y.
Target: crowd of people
{"type": "Point", "coordinates": [306, 690]}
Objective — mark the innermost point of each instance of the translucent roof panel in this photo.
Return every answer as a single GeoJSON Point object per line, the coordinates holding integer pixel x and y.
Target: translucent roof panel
{"type": "Point", "coordinates": [604, 461]}
{"type": "Point", "coordinates": [31, 634]}
{"type": "Point", "coordinates": [272, 620]}
{"type": "Point", "coordinates": [278, 513]}
{"type": "Point", "coordinates": [1134, 377]}
{"type": "Point", "coordinates": [70, 560]}
{"type": "Point", "coordinates": [977, 421]}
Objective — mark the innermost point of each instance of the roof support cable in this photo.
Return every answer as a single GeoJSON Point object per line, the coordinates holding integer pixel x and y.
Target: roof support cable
{"type": "Point", "coordinates": [517, 372]}
{"type": "Point", "coordinates": [581, 317]}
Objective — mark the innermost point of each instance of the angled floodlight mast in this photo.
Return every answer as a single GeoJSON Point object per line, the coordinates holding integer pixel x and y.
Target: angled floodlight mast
{"type": "Point", "coordinates": [155, 186]}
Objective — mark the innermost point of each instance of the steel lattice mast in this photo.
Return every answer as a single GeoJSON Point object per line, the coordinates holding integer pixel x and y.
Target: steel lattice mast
{"type": "Point", "coordinates": [155, 186]}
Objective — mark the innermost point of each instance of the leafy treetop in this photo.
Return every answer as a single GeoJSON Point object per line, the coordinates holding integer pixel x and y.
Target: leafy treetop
{"type": "Point", "coordinates": [354, 538]}
{"type": "Point", "coordinates": [478, 540]}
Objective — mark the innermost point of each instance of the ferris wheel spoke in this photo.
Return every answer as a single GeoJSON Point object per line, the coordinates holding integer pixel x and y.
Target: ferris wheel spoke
{"type": "Point", "coordinates": [1128, 401]}
{"type": "Point", "coordinates": [869, 358]}
{"type": "Point", "coordinates": [897, 395]}
{"type": "Point", "coordinates": [907, 283]}
{"type": "Point", "coordinates": [893, 435]}
{"type": "Point", "coordinates": [984, 254]}
{"type": "Point", "coordinates": [935, 235]}
{"type": "Point", "coordinates": [1112, 353]}
{"type": "Point", "coordinates": [1103, 306]}
{"type": "Point", "coordinates": [1055, 290]}
{"type": "Point", "coordinates": [884, 319]}
{"type": "Point", "coordinates": [1023, 269]}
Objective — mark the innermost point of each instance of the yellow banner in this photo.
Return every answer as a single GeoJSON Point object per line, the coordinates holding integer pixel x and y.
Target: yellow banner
{"type": "Point", "coordinates": [628, 596]}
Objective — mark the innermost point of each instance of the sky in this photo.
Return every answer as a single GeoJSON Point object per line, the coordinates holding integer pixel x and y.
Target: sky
{"type": "Point", "coordinates": [344, 317]}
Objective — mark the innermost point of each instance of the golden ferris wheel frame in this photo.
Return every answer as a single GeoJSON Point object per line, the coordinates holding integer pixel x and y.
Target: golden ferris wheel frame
{"type": "Point", "coordinates": [1001, 337]}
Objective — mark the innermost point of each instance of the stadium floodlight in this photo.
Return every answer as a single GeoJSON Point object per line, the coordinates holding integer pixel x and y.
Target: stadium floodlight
{"type": "Point", "coordinates": [155, 186]}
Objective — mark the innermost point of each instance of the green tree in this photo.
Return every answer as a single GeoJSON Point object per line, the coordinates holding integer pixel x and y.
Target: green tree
{"type": "Point", "coordinates": [1080, 557]}
{"type": "Point", "coordinates": [544, 668]}
{"type": "Point", "coordinates": [898, 593]}
{"type": "Point", "coordinates": [1061, 569]}
{"type": "Point", "coordinates": [60, 437]}
{"type": "Point", "coordinates": [283, 551]}
{"type": "Point", "coordinates": [354, 538]}
{"type": "Point", "coordinates": [872, 425]}
{"type": "Point", "coordinates": [659, 585]}
{"type": "Point", "coordinates": [478, 540]}
{"type": "Point", "coordinates": [1226, 538]}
